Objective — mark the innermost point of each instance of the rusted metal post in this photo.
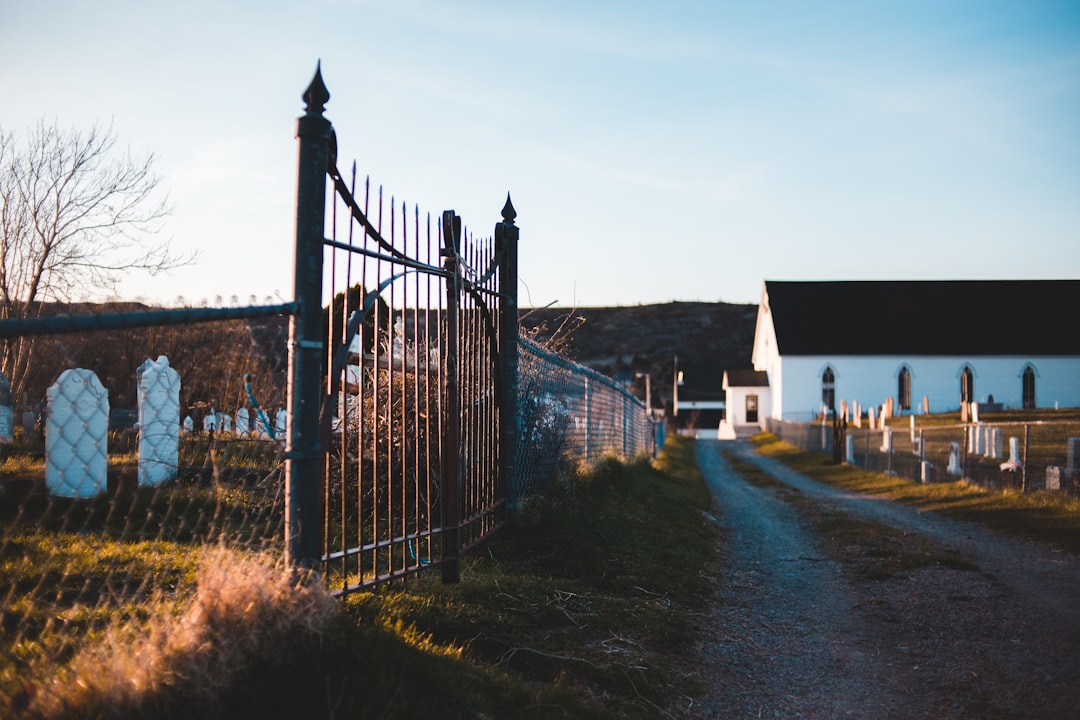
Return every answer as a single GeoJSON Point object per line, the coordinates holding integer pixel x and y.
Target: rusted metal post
{"type": "Point", "coordinates": [451, 465]}
{"type": "Point", "coordinates": [303, 456]}
{"type": "Point", "coordinates": [506, 245]}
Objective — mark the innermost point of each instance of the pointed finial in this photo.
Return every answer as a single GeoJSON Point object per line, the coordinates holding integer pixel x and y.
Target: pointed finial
{"type": "Point", "coordinates": [508, 211]}
{"type": "Point", "coordinates": [316, 95]}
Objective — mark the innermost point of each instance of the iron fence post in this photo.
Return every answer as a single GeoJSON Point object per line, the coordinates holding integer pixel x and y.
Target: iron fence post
{"type": "Point", "coordinates": [451, 465]}
{"type": "Point", "coordinates": [506, 245]}
{"type": "Point", "coordinates": [303, 458]}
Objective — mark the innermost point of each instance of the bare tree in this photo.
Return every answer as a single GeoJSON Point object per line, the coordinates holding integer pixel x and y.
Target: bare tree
{"type": "Point", "coordinates": [75, 216]}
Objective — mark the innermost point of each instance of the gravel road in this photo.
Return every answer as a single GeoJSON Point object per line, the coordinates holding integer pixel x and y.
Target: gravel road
{"type": "Point", "coordinates": [794, 635]}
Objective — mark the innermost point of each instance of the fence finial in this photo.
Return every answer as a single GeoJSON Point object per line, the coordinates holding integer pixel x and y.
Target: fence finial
{"type": "Point", "coordinates": [508, 211]}
{"type": "Point", "coordinates": [316, 95]}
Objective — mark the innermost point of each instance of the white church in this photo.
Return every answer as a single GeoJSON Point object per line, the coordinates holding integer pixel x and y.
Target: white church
{"type": "Point", "coordinates": [1009, 344]}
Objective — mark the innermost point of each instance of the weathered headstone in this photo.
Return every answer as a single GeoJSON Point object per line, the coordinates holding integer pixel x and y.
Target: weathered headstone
{"type": "Point", "coordinates": [886, 440]}
{"type": "Point", "coordinates": [849, 450]}
{"type": "Point", "coordinates": [926, 405]}
{"type": "Point", "coordinates": [159, 421]}
{"type": "Point", "coordinates": [1014, 450]}
{"type": "Point", "coordinates": [870, 416]}
{"type": "Point", "coordinates": [7, 411]}
{"type": "Point", "coordinates": [76, 435]}
{"type": "Point", "coordinates": [1053, 477]}
{"type": "Point", "coordinates": [281, 424]}
{"type": "Point", "coordinates": [916, 446]}
{"type": "Point", "coordinates": [954, 460]}
{"type": "Point", "coordinates": [913, 428]}
{"type": "Point", "coordinates": [1072, 456]}
{"type": "Point", "coordinates": [189, 425]}
{"type": "Point", "coordinates": [974, 412]}
{"type": "Point", "coordinates": [926, 471]}
{"type": "Point", "coordinates": [242, 426]}
{"type": "Point", "coordinates": [993, 446]}
{"type": "Point", "coordinates": [226, 422]}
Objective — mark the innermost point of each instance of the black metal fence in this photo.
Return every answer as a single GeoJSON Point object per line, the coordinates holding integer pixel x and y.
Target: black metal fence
{"type": "Point", "coordinates": [373, 427]}
{"type": "Point", "coordinates": [404, 461]}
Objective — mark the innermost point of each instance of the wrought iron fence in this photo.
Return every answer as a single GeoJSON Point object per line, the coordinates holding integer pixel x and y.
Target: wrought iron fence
{"type": "Point", "coordinates": [408, 449]}
{"type": "Point", "coordinates": [371, 428]}
{"type": "Point", "coordinates": [1023, 456]}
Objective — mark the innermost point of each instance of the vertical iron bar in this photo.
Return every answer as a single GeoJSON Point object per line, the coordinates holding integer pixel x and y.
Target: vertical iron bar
{"type": "Point", "coordinates": [451, 569]}
{"type": "Point", "coordinates": [506, 246]}
{"type": "Point", "coordinates": [304, 463]}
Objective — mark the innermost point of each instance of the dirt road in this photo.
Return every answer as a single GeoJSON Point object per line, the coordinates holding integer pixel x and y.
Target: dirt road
{"type": "Point", "coordinates": [796, 634]}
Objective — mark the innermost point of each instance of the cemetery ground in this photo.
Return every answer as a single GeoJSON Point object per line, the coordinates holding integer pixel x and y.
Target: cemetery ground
{"type": "Point", "coordinates": [629, 591]}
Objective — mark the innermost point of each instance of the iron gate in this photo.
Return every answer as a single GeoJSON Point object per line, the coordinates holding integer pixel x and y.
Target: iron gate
{"type": "Point", "coordinates": [402, 376]}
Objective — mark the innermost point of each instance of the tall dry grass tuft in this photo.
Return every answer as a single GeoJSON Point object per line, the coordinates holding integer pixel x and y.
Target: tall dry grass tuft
{"type": "Point", "coordinates": [245, 607]}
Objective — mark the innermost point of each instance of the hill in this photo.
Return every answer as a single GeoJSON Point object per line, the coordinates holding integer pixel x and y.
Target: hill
{"type": "Point", "coordinates": [707, 338]}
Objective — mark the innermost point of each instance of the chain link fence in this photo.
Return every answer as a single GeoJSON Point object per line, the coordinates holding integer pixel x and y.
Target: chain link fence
{"type": "Point", "coordinates": [571, 416]}
{"type": "Point", "coordinates": [133, 456]}
{"type": "Point", "coordinates": [1023, 456]}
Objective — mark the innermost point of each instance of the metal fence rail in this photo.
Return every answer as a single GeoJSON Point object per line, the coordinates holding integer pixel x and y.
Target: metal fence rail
{"type": "Point", "coordinates": [418, 376]}
{"type": "Point", "coordinates": [1023, 456]}
{"type": "Point", "coordinates": [381, 423]}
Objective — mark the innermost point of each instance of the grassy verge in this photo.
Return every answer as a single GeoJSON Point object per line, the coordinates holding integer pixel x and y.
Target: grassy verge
{"type": "Point", "coordinates": [1047, 517]}
{"type": "Point", "coordinates": [587, 606]}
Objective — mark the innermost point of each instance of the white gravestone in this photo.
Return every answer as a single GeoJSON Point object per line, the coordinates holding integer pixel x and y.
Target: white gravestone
{"type": "Point", "coordinates": [912, 428]}
{"type": "Point", "coordinates": [870, 416]}
{"type": "Point", "coordinates": [1072, 456]}
{"type": "Point", "coordinates": [886, 440]}
{"type": "Point", "coordinates": [994, 447]}
{"type": "Point", "coordinates": [189, 425]}
{"type": "Point", "coordinates": [7, 411]}
{"type": "Point", "coordinates": [1053, 477]}
{"type": "Point", "coordinates": [159, 421]}
{"type": "Point", "coordinates": [76, 435]}
{"type": "Point", "coordinates": [849, 449]}
{"type": "Point", "coordinates": [226, 422]}
{"type": "Point", "coordinates": [926, 471]}
{"type": "Point", "coordinates": [954, 460]}
{"type": "Point", "coordinates": [210, 422]}
{"type": "Point", "coordinates": [1014, 450]}
{"type": "Point", "coordinates": [242, 427]}
{"type": "Point", "coordinates": [281, 424]}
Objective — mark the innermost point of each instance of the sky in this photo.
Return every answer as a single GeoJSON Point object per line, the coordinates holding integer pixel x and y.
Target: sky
{"type": "Point", "coordinates": [653, 151]}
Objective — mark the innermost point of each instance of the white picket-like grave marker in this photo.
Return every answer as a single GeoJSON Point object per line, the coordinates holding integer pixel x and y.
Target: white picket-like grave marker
{"type": "Point", "coordinates": [7, 411]}
{"type": "Point", "coordinates": [242, 427]}
{"type": "Point", "coordinates": [159, 421]}
{"type": "Point", "coordinates": [76, 435]}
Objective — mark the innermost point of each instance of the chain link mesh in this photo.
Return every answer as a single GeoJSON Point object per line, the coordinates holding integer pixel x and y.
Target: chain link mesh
{"type": "Point", "coordinates": [570, 415]}
{"type": "Point", "coordinates": [122, 474]}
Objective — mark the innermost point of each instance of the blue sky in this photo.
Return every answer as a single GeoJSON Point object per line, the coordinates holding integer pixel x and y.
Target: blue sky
{"type": "Point", "coordinates": [654, 151]}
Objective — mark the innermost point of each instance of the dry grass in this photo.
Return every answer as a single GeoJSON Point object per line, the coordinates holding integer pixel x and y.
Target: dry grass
{"type": "Point", "coordinates": [245, 607]}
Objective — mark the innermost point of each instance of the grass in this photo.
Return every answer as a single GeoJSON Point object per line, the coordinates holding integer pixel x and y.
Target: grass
{"type": "Point", "coordinates": [1052, 518]}
{"type": "Point", "coordinates": [587, 606]}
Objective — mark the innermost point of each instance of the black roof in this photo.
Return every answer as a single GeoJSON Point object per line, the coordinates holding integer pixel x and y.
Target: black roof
{"type": "Point", "coordinates": [747, 378]}
{"type": "Point", "coordinates": [926, 317]}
